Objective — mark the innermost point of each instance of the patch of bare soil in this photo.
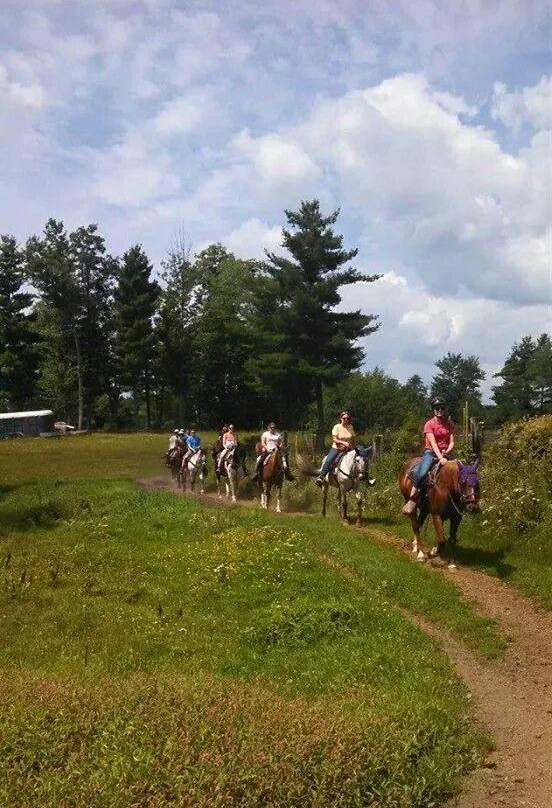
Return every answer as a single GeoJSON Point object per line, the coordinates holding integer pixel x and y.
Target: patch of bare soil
{"type": "Point", "coordinates": [513, 698]}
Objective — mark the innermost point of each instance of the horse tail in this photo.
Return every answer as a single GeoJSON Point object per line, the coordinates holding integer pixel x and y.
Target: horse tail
{"type": "Point", "coordinates": [305, 467]}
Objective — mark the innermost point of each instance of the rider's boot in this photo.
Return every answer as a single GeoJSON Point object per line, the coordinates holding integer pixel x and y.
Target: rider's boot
{"type": "Point", "coordinates": [410, 507]}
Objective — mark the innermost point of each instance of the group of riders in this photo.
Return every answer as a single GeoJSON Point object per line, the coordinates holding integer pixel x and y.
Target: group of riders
{"type": "Point", "coordinates": [438, 440]}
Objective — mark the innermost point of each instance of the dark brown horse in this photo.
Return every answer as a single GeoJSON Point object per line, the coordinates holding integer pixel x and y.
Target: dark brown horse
{"type": "Point", "coordinates": [456, 491]}
{"type": "Point", "coordinates": [272, 474]}
{"type": "Point", "coordinates": [174, 462]}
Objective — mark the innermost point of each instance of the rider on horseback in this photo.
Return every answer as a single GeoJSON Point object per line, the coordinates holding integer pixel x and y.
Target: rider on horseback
{"type": "Point", "coordinates": [270, 442]}
{"type": "Point", "coordinates": [193, 444]}
{"type": "Point", "coordinates": [439, 442]}
{"type": "Point", "coordinates": [343, 439]}
{"type": "Point", "coordinates": [229, 442]}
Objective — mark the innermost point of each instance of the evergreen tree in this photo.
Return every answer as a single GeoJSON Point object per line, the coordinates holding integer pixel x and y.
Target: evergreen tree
{"type": "Point", "coordinates": [174, 330]}
{"type": "Point", "coordinates": [18, 348]}
{"type": "Point", "coordinates": [540, 371]}
{"type": "Point", "coordinates": [136, 297]}
{"type": "Point", "coordinates": [526, 387]}
{"type": "Point", "coordinates": [416, 394]}
{"type": "Point", "coordinates": [223, 338]}
{"type": "Point", "coordinates": [73, 275]}
{"type": "Point", "coordinates": [52, 272]}
{"type": "Point", "coordinates": [458, 381]}
{"type": "Point", "coordinates": [94, 272]}
{"type": "Point", "coordinates": [305, 343]}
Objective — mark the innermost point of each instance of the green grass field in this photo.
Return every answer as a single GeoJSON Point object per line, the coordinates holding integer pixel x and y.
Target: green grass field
{"type": "Point", "coordinates": [157, 651]}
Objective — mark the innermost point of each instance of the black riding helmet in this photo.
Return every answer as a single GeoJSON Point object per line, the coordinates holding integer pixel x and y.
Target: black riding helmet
{"type": "Point", "coordinates": [438, 403]}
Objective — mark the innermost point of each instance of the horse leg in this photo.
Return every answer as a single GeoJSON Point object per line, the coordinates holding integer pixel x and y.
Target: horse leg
{"type": "Point", "coordinates": [440, 532]}
{"type": "Point", "coordinates": [232, 481]}
{"type": "Point", "coordinates": [344, 504]}
{"type": "Point", "coordinates": [279, 498]}
{"type": "Point", "coordinates": [264, 497]}
{"type": "Point", "coordinates": [217, 478]}
{"type": "Point", "coordinates": [358, 495]}
{"type": "Point", "coordinates": [455, 520]}
{"type": "Point", "coordinates": [201, 482]}
{"type": "Point", "coordinates": [324, 498]}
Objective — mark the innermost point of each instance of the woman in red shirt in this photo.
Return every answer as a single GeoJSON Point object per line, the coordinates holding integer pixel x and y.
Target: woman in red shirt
{"type": "Point", "coordinates": [439, 442]}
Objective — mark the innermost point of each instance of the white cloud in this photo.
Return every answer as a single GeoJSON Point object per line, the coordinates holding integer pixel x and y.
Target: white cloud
{"type": "Point", "coordinates": [436, 186]}
{"type": "Point", "coordinates": [530, 105]}
{"type": "Point", "coordinates": [182, 114]}
{"type": "Point", "coordinates": [130, 174]}
{"type": "Point", "coordinates": [252, 238]}
{"type": "Point", "coordinates": [418, 327]}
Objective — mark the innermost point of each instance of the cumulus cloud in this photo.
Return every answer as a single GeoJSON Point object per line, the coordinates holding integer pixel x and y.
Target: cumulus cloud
{"type": "Point", "coordinates": [145, 115]}
{"type": "Point", "coordinates": [418, 327]}
{"type": "Point", "coordinates": [528, 106]}
{"type": "Point", "coordinates": [252, 238]}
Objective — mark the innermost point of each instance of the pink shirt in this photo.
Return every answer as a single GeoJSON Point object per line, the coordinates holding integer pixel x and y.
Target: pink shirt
{"type": "Point", "coordinates": [441, 429]}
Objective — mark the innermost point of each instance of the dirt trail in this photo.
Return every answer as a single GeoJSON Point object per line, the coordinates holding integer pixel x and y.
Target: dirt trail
{"type": "Point", "coordinates": [513, 698]}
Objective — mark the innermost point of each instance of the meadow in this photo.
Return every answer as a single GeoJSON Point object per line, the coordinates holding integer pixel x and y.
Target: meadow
{"type": "Point", "coordinates": [159, 651]}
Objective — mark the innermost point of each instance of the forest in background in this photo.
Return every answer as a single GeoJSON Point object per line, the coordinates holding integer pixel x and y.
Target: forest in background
{"type": "Point", "coordinates": [105, 344]}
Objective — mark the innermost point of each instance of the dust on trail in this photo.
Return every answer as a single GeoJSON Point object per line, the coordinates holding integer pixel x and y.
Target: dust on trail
{"type": "Point", "coordinates": [512, 698]}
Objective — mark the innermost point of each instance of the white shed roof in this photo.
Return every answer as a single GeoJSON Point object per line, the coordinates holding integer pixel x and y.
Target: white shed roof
{"type": "Point", "coordinates": [31, 414]}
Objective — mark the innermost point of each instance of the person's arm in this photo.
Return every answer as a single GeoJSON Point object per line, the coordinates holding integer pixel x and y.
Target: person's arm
{"type": "Point", "coordinates": [450, 446]}
{"type": "Point", "coordinates": [437, 451]}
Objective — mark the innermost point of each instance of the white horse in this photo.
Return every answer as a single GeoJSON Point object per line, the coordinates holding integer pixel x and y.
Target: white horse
{"type": "Point", "coordinates": [230, 473]}
{"type": "Point", "coordinates": [346, 476]}
{"type": "Point", "coordinates": [194, 469]}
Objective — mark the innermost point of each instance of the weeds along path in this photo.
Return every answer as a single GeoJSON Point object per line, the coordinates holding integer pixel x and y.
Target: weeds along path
{"type": "Point", "coordinates": [513, 698]}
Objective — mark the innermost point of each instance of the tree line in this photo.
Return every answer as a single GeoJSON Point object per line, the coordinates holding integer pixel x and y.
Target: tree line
{"type": "Point", "coordinates": [103, 343]}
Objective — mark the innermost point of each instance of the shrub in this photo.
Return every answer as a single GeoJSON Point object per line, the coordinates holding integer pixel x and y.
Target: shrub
{"type": "Point", "coordinates": [517, 475]}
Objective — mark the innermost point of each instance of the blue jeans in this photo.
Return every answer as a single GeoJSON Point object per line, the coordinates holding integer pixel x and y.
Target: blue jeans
{"type": "Point", "coordinates": [419, 473]}
{"type": "Point", "coordinates": [332, 454]}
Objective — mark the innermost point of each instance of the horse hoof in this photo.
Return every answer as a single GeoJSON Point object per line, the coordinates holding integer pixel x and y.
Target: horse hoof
{"type": "Point", "coordinates": [421, 556]}
{"type": "Point", "coordinates": [452, 566]}
{"type": "Point", "coordinates": [434, 552]}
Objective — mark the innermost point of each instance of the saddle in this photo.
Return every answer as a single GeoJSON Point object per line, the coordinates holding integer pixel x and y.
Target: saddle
{"type": "Point", "coordinates": [432, 476]}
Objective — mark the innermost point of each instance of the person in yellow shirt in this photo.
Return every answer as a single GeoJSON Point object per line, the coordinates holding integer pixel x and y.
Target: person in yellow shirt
{"type": "Point", "coordinates": [343, 439]}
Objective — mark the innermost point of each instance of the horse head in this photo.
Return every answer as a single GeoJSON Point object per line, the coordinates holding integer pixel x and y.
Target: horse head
{"type": "Point", "coordinates": [468, 483]}
{"type": "Point", "coordinates": [360, 465]}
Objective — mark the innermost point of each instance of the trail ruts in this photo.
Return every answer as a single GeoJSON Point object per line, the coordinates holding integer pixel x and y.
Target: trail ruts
{"type": "Point", "coordinates": [513, 697]}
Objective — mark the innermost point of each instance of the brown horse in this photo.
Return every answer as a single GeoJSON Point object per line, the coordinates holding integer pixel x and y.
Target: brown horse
{"type": "Point", "coordinates": [455, 491]}
{"type": "Point", "coordinates": [272, 474]}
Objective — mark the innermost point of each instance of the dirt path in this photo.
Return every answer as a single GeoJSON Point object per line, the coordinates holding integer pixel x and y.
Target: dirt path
{"type": "Point", "coordinates": [513, 698]}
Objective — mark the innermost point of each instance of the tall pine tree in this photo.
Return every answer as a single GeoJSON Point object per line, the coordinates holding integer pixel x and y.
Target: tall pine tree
{"type": "Point", "coordinates": [305, 343]}
{"type": "Point", "coordinates": [136, 297]}
{"type": "Point", "coordinates": [18, 350]}
{"type": "Point", "coordinates": [458, 380]}
{"type": "Point", "coordinates": [526, 387]}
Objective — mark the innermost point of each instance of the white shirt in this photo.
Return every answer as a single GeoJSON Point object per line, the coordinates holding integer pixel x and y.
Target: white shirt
{"type": "Point", "coordinates": [172, 442]}
{"type": "Point", "coordinates": [271, 440]}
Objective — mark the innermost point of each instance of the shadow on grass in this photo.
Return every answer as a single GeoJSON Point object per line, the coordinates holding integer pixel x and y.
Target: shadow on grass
{"type": "Point", "coordinates": [25, 517]}
{"type": "Point", "coordinates": [493, 560]}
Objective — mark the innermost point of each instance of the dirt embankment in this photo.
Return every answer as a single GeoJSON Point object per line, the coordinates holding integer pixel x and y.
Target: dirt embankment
{"type": "Point", "coordinates": [513, 698]}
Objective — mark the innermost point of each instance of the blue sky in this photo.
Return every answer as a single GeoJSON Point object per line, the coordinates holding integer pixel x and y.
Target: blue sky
{"type": "Point", "coordinates": [427, 122]}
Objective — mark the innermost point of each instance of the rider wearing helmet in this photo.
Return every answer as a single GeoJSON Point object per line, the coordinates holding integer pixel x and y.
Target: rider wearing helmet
{"type": "Point", "coordinates": [193, 443]}
{"type": "Point", "coordinates": [439, 442]}
{"type": "Point", "coordinates": [173, 440]}
{"type": "Point", "coordinates": [270, 441]}
{"type": "Point", "coordinates": [343, 439]}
